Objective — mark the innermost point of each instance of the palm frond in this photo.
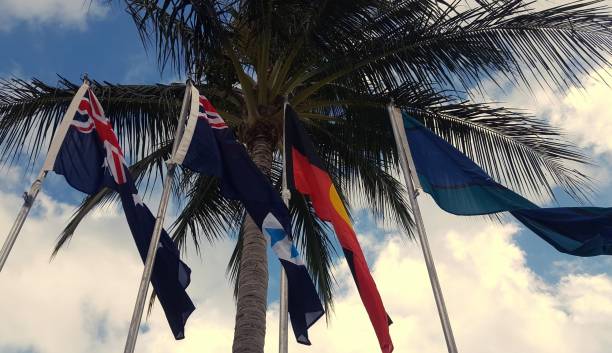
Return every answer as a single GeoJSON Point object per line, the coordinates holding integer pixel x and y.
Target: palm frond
{"type": "Point", "coordinates": [525, 153]}
{"type": "Point", "coordinates": [143, 116]}
{"type": "Point", "coordinates": [233, 266]}
{"type": "Point", "coordinates": [91, 202]}
{"type": "Point", "coordinates": [313, 237]}
{"type": "Point", "coordinates": [29, 113]}
{"type": "Point", "coordinates": [364, 176]}
{"type": "Point", "coordinates": [206, 213]}
{"type": "Point", "coordinates": [187, 34]}
{"type": "Point", "coordinates": [517, 149]}
{"type": "Point", "coordinates": [460, 48]}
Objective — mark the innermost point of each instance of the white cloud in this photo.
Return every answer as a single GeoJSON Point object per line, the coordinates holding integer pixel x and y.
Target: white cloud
{"type": "Point", "coordinates": [82, 300]}
{"type": "Point", "coordinates": [45, 305]}
{"type": "Point", "coordinates": [586, 113]}
{"type": "Point", "coordinates": [69, 13]}
{"type": "Point", "coordinates": [494, 300]}
{"type": "Point", "coordinates": [583, 114]}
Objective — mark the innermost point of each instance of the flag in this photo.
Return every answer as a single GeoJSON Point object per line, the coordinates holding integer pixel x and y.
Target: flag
{"type": "Point", "coordinates": [89, 157]}
{"type": "Point", "coordinates": [461, 187]}
{"type": "Point", "coordinates": [208, 146]}
{"type": "Point", "coordinates": [306, 174]}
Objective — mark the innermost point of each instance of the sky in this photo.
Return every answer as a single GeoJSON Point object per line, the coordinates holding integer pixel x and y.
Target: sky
{"type": "Point", "coordinates": [505, 289]}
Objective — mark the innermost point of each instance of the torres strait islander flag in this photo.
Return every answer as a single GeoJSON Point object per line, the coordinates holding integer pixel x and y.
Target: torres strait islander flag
{"type": "Point", "coordinates": [306, 174]}
{"type": "Point", "coordinates": [461, 187]}
{"type": "Point", "coordinates": [208, 146]}
{"type": "Point", "coordinates": [85, 150]}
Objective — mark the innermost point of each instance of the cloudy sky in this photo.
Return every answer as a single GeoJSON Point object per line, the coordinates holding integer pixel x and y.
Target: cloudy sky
{"type": "Point", "coordinates": [506, 290]}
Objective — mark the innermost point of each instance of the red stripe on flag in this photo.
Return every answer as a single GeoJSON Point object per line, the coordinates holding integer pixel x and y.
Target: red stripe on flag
{"type": "Point", "coordinates": [84, 105]}
{"type": "Point", "coordinates": [94, 103]}
{"type": "Point", "coordinates": [119, 168]}
{"type": "Point", "coordinates": [84, 129]}
{"type": "Point", "coordinates": [105, 134]}
{"type": "Point", "coordinates": [218, 125]}
{"type": "Point", "coordinates": [208, 107]}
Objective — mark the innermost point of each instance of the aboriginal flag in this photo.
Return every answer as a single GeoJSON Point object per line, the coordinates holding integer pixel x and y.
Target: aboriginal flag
{"type": "Point", "coordinates": [306, 174]}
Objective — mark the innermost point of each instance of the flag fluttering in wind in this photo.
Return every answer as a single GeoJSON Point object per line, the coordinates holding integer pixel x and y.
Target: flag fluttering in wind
{"type": "Point", "coordinates": [306, 174]}
{"type": "Point", "coordinates": [208, 146]}
{"type": "Point", "coordinates": [90, 158]}
{"type": "Point", "coordinates": [461, 187]}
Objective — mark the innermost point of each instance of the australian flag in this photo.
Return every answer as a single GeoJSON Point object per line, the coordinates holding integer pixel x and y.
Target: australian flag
{"type": "Point", "coordinates": [208, 146]}
{"type": "Point", "coordinates": [90, 158]}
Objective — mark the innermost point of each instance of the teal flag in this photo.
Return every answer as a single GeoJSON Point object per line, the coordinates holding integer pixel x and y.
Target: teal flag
{"type": "Point", "coordinates": [460, 186]}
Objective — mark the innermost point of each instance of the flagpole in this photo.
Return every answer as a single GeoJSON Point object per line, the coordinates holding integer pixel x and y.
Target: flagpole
{"type": "Point", "coordinates": [30, 196]}
{"type": "Point", "coordinates": [130, 343]}
{"type": "Point", "coordinates": [283, 320]}
{"type": "Point", "coordinates": [28, 200]}
{"type": "Point", "coordinates": [405, 158]}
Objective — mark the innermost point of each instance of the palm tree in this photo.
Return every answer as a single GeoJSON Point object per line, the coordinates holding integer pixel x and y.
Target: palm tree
{"type": "Point", "coordinates": [339, 62]}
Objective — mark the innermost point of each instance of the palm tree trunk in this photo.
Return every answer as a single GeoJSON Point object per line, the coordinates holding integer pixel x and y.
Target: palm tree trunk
{"type": "Point", "coordinates": [250, 329]}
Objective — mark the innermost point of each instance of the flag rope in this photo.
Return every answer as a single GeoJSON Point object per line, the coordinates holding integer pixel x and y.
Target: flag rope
{"type": "Point", "coordinates": [406, 162]}
{"type": "Point", "coordinates": [130, 343]}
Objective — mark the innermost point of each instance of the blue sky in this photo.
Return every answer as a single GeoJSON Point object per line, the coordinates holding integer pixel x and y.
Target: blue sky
{"type": "Point", "coordinates": [107, 49]}
{"type": "Point", "coordinates": [476, 257]}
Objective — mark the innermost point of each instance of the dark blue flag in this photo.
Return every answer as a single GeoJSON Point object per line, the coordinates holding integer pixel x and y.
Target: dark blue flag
{"type": "Point", "coordinates": [90, 158]}
{"type": "Point", "coordinates": [209, 146]}
{"type": "Point", "coordinates": [461, 187]}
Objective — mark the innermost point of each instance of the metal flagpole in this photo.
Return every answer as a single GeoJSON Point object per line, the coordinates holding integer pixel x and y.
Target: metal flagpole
{"type": "Point", "coordinates": [30, 196]}
{"type": "Point", "coordinates": [130, 344]}
{"type": "Point", "coordinates": [410, 177]}
{"type": "Point", "coordinates": [28, 200]}
{"type": "Point", "coordinates": [283, 322]}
